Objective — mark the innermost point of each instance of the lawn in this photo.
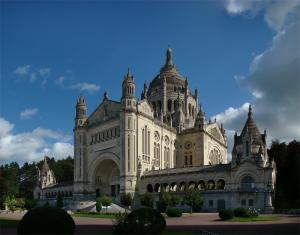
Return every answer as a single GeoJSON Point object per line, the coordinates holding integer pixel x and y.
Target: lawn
{"type": "Point", "coordinates": [8, 223]}
{"type": "Point", "coordinates": [259, 218]}
{"type": "Point", "coordinates": [94, 215]}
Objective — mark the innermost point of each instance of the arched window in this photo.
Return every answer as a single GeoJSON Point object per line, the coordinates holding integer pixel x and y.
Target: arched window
{"type": "Point", "coordinates": [221, 184]}
{"type": "Point", "coordinates": [248, 183]}
{"type": "Point", "coordinates": [247, 148]}
{"type": "Point", "coordinates": [215, 156]}
{"type": "Point", "coordinates": [169, 105]}
{"type": "Point", "coordinates": [182, 186]}
{"type": "Point", "coordinates": [149, 188]}
{"type": "Point", "coordinates": [157, 187]}
{"type": "Point", "coordinates": [210, 185]}
{"type": "Point", "coordinates": [201, 185]}
{"type": "Point", "coordinates": [128, 157]}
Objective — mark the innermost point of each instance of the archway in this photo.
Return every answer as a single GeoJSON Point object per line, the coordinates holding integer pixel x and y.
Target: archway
{"type": "Point", "coordinates": [107, 178]}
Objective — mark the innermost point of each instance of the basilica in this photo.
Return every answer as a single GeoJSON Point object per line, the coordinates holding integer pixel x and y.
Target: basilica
{"type": "Point", "coordinates": [163, 141]}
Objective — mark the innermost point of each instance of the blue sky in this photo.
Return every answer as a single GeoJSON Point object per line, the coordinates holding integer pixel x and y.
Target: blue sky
{"type": "Point", "coordinates": [53, 51]}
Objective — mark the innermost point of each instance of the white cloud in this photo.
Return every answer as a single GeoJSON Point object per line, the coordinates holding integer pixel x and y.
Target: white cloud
{"type": "Point", "coordinates": [5, 127]}
{"type": "Point", "coordinates": [89, 87]}
{"type": "Point", "coordinates": [274, 74]}
{"type": "Point", "coordinates": [60, 81]}
{"type": "Point", "coordinates": [28, 113]}
{"type": "Point", "coordinates": [31, 146]}
{"type": "Point", "coordinates": [277, 13]}
{"type": "Point", "coordinates": [44, 72]}
{"type": "Point", "coordinates": [22, 70]}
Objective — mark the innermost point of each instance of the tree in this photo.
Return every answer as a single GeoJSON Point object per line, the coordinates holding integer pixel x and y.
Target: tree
{"type": "Point", "coordinates": [106, 201]}
{"type": "Point", "coordinates": [287, 159]}
{"type": "Point", "coordinates": [98, 204]}
{"type": "Point", "coordinates": [126, 200]}
{"type": "Point", "coordinates": [146, 199]}
{"type": "Point", "coordinates": [30, 204]}
{"type": "Point", "coordinates": [192, 198]}
{"type": "Point", "coordinates": [59, 201]}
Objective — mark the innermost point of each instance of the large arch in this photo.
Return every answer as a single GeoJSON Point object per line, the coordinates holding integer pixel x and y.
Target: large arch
{"type": "Point", "coordinates": [104, 174]}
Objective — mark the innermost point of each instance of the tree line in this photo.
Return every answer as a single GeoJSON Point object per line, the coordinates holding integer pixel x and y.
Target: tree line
{"type": "Point", "coordinates": [20, 181]}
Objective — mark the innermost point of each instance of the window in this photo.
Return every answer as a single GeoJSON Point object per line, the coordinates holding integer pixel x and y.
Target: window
{"type": "Point", "coordinates": [247, 148]}
{"type": "Point", "coordinates": [191, 160]}
{"type": "Point", "coordinates": [185, 160]}
{"type": "Point", "coordinates": [243, 202]}
{"type": "Point", "coordinates": [248, 183]}
{"type": "Point", "coordinates": [210, 203]}
{"type": "Point", "coordinates": [128, 157]}
{"type": "Point", "coordinates": [250, 202]}
{"type": "Point", "coordinates": [215, 156]}
{"type": "Point", "coordinates": [129, 123]}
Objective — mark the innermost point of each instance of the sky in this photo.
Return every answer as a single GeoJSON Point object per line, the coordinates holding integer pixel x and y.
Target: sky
{"type": "Point", "coordinates": [235, 52]}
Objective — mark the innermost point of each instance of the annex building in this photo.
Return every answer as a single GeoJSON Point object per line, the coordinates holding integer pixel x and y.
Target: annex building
{"type": "Point", "coordinates": [164, 141]}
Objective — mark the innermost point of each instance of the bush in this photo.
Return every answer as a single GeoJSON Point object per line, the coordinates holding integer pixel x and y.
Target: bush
{"type": "Point", "coordinates": [30, 204]}
{"type": "Point", "coordinates": [11, 202]}
{"type": "Point", "coordinates": [240, 212]}
{"type": "Point", "coordinates": [146, 200]}
{"type": "Point", "coordinates": [106, 201]}
{"type": "Point", "coordinates": [161, 206]}
{"type": "Point", "coordinates": [192, 198]}
{"type": "Point", "coordinates": [174, 212]}
{"type": "Point", "coordinates": [98, 204]}
{"type": "Point", "coordinates": [245, 213]}
{"type": "Point", "coordinates": [226, 214]}
{"type": "Point", "coordinates": [126, 200]}
{"type": "Point", "coordinates": [142, 221]}
{"type": "Point", "coordinates": [46, 220]}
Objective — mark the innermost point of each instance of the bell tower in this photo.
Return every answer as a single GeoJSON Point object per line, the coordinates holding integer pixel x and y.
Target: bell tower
{"type": "Point", "coordinates": [128, 134]}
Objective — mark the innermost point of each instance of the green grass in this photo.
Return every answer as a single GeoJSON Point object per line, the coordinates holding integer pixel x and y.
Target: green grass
{"type": "Point", "coordinates": [104, 216]}
{"type": "Point", "coordinates": [252, 219]}
{"type": "Point", "coordinates": [8, 223]}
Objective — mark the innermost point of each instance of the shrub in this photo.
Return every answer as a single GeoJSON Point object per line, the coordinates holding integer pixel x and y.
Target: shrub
{"type": "Point", "coordinates": [46, 220]}
{"type": "Point", "coordinates": [245, 213]}
{"type": "Point", "coordinates": [126, 200]}
{"type": "Point", "coordinates": [11, 202]}
{"type": "Point", "coordinates": [59, 201]}
{"type": "Point", "coordinates": [175, 200]}
{"type": "Point", "coordinates": [226, 214]}
{"type": "Point", "coordinates": [142, 221]}
{"type": "Point", "coordinates": [192, 198]}
{"type": "Point", "coordinates": [174, 212]}
{"type": "Point", "coordinates": [30, 204]}
{"type": "Point", "coordinates": [240, 212]}
{"type": "Point", "coordinates": [161, 206]}
{"type": "Point", "coordinates": [146, 200]}
{"type": "Point", "coordinates": [98, 204]}
{"type": "Point", "coordinates": [106, 201]}
{"type": "Point", "coordinates": [253, 212]}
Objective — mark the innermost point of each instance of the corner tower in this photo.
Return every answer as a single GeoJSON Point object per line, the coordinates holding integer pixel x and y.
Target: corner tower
{"type": "Point", "coordinates": [128, 135]}
{"type": "Point", "coordinates": [80, 147]}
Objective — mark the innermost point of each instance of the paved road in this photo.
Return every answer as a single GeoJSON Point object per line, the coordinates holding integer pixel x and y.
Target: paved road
{"type": "Point", "coordinates": [287, 225]}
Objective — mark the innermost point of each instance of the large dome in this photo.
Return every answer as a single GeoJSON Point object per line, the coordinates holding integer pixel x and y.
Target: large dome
{"type": "Point", "coordinates": [168, 72]}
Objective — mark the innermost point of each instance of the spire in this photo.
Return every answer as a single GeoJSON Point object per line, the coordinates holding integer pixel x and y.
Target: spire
{"type": "Point", "coordinates": [129, 75]}
{"type": "Point", "coordinates": [105, 96]}
{"type": "Point", "coordinates": [169, 58]}
{"type": "Point", "coordinates": [250, 111]}
{"type": "Point", "coordinates": [80, 100]}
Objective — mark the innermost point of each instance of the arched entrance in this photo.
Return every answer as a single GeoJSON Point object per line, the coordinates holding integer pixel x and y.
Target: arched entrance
{"type": "Point", "coordinates": [107, 178]}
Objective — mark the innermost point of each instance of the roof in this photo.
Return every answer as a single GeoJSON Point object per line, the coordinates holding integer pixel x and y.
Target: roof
{"type": "Point", "coordinates": [188, 170]}
{"type": "Point", "coordinates": [61, 184]}
{"type": "Point", "coordinates": [251, 128]}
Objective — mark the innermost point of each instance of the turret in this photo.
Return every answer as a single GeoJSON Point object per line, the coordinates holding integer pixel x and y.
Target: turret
{"type": "Point", "coordinates": [81, 110]}
{"type": "Point", "coordinates": [200, 119]}
{"type": "Point", "coordinates": [251, 144]}
{"type": "Point", "coordinates": [128, 133]}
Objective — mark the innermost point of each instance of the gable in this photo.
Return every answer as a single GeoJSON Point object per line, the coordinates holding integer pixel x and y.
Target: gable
{"type": "Point", "coordinates": [145, 108]}
{"type": "Point", "coordinates": [215, 131]}
{"type": "Point", "coordinates": [108, 109]}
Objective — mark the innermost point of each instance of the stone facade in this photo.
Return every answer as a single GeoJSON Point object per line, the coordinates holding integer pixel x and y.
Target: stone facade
{"type": "Point", "coordinates": [163, 140]}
